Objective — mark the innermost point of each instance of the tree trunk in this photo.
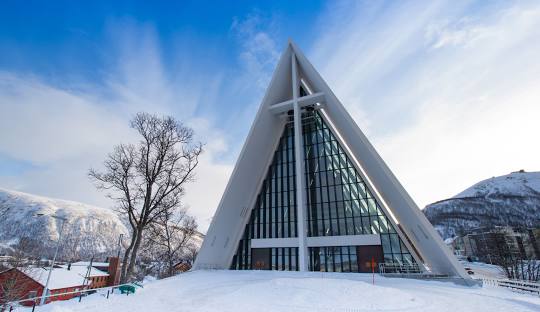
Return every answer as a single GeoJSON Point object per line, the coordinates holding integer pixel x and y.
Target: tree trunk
{"type": "Point", "coordinates": [127, 253]}
{"type": "Point", "coordinates": [133, 257]}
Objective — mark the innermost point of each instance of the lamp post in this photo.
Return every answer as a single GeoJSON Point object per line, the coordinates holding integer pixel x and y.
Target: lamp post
{"type": "Point", "coordinates": [46, 289]}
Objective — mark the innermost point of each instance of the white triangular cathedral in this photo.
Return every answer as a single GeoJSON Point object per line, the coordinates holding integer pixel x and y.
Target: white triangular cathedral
{"type": "Point", "coordinates": [310, 193]}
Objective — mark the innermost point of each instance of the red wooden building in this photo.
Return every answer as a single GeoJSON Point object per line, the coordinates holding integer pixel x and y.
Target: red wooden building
{"type": "Point", "coordinates": [29, 283]}
{"type": "Point", "coordinates": [65, 281]}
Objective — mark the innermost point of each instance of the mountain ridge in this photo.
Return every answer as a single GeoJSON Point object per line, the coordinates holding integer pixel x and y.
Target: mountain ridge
{"type": "Point", "coordinates": [89, 230]}
{"type": "Point", "coordinates": [512, 199]}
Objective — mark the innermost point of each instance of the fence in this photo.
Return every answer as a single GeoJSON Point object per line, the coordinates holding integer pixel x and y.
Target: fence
{"type": "Point", "coordinates": [515, 285]}
{"type": "Point", "coordinates": [79, 293]}
{"type": "Point", "coordinates": [398, 268]}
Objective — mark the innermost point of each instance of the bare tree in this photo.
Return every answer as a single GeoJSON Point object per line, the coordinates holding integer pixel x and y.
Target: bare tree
{"type": "Point", "coordinates": [171, 238]}
{"type": "Point", "coordinates": [147, 179]}
{"type": "Point", "coordinates": [515, 263]}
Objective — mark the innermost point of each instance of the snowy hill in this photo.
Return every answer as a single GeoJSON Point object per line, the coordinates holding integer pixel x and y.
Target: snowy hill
{"type": "Point", "coordinates": [512, 199]}
{"type": "Point", "coordinates": [276, 291]}
{"type": "Point", "coordinates": [89, 230]}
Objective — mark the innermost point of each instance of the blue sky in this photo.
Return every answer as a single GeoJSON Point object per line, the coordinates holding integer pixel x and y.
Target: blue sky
{"type": "Point", "coordinates": [447, 91]}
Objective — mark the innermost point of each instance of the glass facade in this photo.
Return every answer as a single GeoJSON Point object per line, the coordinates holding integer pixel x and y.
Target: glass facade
{"type": "Point", "coordinates": [274, 214]}
{"type": "Point", "coordinates": [338, 203]}
{"type": "Point", "coordinates": [338, 200]}
{"type": "Point", "coordinates": [284, 259]}
{"type": "Point", "coordinates": [333, 259]}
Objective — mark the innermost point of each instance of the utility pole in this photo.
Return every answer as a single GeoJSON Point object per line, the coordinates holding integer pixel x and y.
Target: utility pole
{"type": "Point", "coordinates": [119, 245]}
{"type": "Point", "coordinates": [46, 289]}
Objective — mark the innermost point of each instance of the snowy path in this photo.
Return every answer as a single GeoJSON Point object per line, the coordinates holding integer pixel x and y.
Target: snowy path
{"type": "Point", "coordinates": [293, 291]}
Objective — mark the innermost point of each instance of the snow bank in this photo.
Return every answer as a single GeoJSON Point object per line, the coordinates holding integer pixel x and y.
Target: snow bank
{"type": "Point", "coordinates": [293, 291]}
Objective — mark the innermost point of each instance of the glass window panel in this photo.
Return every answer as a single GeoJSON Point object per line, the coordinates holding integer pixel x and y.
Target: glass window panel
{"type": "Point", "coordinates": [383, 225]}
{"type": "Point", "coordinates": [348, 209]}
{"type": "Point", "coordinates": [279, 259]}
{"type": "Point", "coordinates": [332, 209]}
{"type": "Point", "coordinates": [334, 230]}
{"type": "Point", "coordinates": [394, 241]}
{"type": "Point", "coordinates": [403, 247]}
{"type": "Point", "coordinates": [342, 226]}
{"type": "Point", "coordinates": [362, 190]}
{"type": "Point", "coordinates": [357, 207]}
{"type": "Point", "coordinates": [354, 262]}
{"type": "Point", "coordinates": [372, 206]}
{"type": "Point", "coordinates": [407, 259]}
{"type": "Point", "coordinates": [385, 242]}
{"type": "Point", "coordinates": [286, 263]}
{"type": "Point", "coordinates": [397, 258]}
{"type": "Point", "coordinates": [375, 229]}
{"type": "Point", "coordinates": [363, 207]}
{"type": "Point", "coordinates": [366, 225]}
{"type": "Point", "coordinates": [337, 262]}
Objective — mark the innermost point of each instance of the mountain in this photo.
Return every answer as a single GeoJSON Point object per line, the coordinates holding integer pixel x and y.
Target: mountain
{"type": "Point", "coordinates": [89, 230]}
{"type": "Point", "coordinates": [512, 199]}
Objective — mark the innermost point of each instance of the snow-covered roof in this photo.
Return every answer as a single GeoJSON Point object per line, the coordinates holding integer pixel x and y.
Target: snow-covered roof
{"type": "Point", "coordinates": [60, 278]}
{"type": "Point", "coordinates": [87, 263]}
{"type": "Point", "coordinates": [82, 270]}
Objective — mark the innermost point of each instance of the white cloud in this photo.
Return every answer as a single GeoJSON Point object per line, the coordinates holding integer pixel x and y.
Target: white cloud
{"type": "Point", "coordinates": [42, 124]}
{"type": "Point", "coordinates": [63, 132]}
{"type": "Point", "coordinates": [212, 176]}
{"type": "Point", "coordinates": [462, 32]}
{"type": "Point", "coordinates": [446, 103]}
{"type": "Point", "coordinates": [259, 51]}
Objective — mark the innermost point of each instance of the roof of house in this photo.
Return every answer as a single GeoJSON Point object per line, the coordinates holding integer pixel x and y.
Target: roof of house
{"type": "Point", "coordinates": [82, 270]}
{"type": "Point", "coordinates": [87, 263]}
{"type": "Point", "coordinates": [60, 278]}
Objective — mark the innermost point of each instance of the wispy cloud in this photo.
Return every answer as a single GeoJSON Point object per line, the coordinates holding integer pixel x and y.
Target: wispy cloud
{"type": "Point", "coordinates": [259, 52]}
{"type": "Point", "coordinates": [448, 94]}
{"type": "Point", "coordinates": [63, 131]}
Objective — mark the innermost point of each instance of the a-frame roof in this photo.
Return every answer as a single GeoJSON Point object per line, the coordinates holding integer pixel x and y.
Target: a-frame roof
{"type": "Point", "coordinates": [234, 209]}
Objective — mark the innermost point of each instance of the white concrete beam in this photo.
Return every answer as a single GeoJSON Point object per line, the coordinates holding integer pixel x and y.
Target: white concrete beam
{"type": "Point", "coordinates": [345, 240]}
{"type": "Point", "coordinates": [274, 242]}
{"type": "Point", "coordinates": [300, 179]}
{"type": "Point", "coordinates": [317, 99]}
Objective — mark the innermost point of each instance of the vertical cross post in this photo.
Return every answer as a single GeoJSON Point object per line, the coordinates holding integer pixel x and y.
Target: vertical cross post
{"type": "Point", "coordinates": [299, 160]}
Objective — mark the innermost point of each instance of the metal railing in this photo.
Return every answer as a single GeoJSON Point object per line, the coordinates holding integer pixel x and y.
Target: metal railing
{"type": "Point", "coordinates": [399, 268]}
{"type": "Point", "coordinates": [78, 293]}
{"type": "Point", "coordinates": [514, 285]}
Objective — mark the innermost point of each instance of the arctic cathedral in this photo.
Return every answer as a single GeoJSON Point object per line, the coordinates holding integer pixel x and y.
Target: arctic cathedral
{"type": "Point", "coordinates": [310, 193]}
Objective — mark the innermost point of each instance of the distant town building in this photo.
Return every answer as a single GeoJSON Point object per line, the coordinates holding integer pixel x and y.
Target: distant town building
{"type": "Point", "coordinates": [479, 243]}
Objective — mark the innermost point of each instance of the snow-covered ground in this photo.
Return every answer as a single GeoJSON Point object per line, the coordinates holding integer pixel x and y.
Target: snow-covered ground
{"type": "Point", "coordinates": [262, 291]}
{"type": "Point", "coordinates": [484, 270]}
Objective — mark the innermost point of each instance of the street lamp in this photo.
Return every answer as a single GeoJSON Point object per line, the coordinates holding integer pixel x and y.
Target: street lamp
{"type": "Point", "coordinates": [46, 289]}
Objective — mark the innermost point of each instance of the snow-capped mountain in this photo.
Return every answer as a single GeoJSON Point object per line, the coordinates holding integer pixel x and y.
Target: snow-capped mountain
{"type": "Point", "coordinates": [512, 199]}
{"type": "Point", "coordinates": [89, 230]}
